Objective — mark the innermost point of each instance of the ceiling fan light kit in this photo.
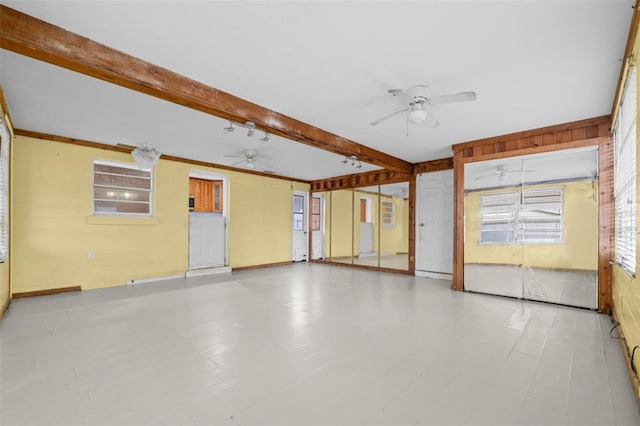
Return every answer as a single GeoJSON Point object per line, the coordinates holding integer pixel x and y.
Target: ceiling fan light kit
{"type": "Point", "coordinates": [418, 99]}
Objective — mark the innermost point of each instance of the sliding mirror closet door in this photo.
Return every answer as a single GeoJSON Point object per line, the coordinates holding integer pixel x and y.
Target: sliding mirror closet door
{"type": "Point", "coordinates": [531, 227]}
{"type": "Point", "coordinates": [394, 226]}
{"type": "Point", "coordinates": [341, 226]}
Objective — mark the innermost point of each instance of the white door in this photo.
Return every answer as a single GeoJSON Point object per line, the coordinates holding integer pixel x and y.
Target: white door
{"type": "Point", "coordinates": [299, 242]}
{"type": "Point", "coordinates": [366, 226]}
{"type": "Point", "coordinates": [206, 240]}
{"type": "Point", "coordinates": [434, 248]}
{"type": "Point", "coordinates": [317, 226]}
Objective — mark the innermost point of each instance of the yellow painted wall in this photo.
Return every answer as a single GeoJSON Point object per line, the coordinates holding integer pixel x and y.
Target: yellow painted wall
{"type": "Point", "coordinates": [340, 212]}
{"type": "Point", "coordinates": [579, 250]}
{"type": "Point", "coordinates": [626, 289]}
{"type": "Point", "coordinates": [54, 229]}
{"type": "Point", "coordinates": [396, 240]}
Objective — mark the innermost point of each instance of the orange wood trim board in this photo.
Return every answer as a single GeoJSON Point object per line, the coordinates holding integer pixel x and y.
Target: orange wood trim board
{"type": "Point", "coordinates": [45, 292]}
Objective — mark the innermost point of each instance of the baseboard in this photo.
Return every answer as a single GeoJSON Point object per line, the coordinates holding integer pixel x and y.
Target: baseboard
{"type": "Point", "coordinates": [149, 280]}
{"type": "Point", "coordinates": [635, 382]}
{"type": "Point", "coordinates": [45, 292]}
{"type": "Point", "coordinates": [207, 271]}
{"type": "Point", "coordinates": [4, 307]}
{"type": "Point", "coordinates": [264, 265]}
{"type": "Point", "coordinates": [437, 275]}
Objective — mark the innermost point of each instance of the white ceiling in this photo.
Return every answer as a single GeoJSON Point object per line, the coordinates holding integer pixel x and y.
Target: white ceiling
{"type": "Point", "coordinates": [329, 64]}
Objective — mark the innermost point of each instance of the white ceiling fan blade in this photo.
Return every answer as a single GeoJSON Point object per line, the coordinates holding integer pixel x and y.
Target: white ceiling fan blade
{"type": "Point", "coordinates": [235, 156]}
{"type": "Point", "coordinates": [237, 163]}
{"type": "Point", "coordinates": [402, 94]}
{"type": "Point", "coordinates": [386, 117]}
{"type": "Point", "coordinates": [454, 97]}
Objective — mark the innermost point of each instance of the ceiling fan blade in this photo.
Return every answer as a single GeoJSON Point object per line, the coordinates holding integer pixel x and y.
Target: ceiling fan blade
{"type": "Point", "coordinates": [454, 97]}
{"type": "Point", "coordinates": [235, 156]}
{"type": "Point", "coordinates": [402, 94]}
{"type": "Point", "coordinates": [237, 163]}
{"type": "Point", "coordinates": [386, 117]}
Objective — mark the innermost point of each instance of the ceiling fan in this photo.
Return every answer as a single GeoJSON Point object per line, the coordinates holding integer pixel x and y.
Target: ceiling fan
{"type": "Point", "coordinates": [418, 99]}
{"type": "Point", "coordinates": [249, 158]}
{"type": "Point", "coordinates": [502, 173]}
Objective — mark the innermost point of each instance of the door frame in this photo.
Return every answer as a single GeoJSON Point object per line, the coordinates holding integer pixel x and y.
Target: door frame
{"type": "Point", "coordinates": [201, 174]}
{"type": "Point", "coordinates": [305, 225]}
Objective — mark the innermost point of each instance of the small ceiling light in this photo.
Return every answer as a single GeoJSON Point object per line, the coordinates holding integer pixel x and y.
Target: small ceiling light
{"type": "Point", "coordinates": [346, 160]}
{"type": "Point", "coordinates": [251, 133]}
{"type": "Point", "coordinates": [266, 138]}
{"type": "Point", "coordinates": [417, 114]}
{"type": "Point", "coordinates": [250, 164]}
{"type": "Point", "coordinates": [229, 128]}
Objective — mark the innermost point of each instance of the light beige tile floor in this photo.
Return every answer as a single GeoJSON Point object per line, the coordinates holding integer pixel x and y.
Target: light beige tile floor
{"type": "Point", "coordinates": [307, 344]}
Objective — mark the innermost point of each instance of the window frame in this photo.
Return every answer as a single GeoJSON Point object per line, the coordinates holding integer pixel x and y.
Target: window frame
{"type": "Point", "coordinates": [514, 209]}
{"type": "Point", "coordinates": [389, 221]}
{"type": "Point", "coordinates": [625, 180]}
{"type": "Point", "coordinates": [124, 165]}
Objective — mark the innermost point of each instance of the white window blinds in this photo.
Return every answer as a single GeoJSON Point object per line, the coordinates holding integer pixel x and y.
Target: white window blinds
{"type": "Point", "coordinates": [625, 177]}
{"type": "Point", "coordinates": [5, 144]}
{"type": "Point", "coordinates": [531, 216]}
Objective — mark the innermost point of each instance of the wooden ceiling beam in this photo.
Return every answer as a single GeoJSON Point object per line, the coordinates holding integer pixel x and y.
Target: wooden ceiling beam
{"type": "Point", "coordinates": [32, 37]}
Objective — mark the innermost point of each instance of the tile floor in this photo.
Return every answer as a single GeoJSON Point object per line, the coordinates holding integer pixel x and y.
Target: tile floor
{"type": "Point", "coordinates": [307, 344]}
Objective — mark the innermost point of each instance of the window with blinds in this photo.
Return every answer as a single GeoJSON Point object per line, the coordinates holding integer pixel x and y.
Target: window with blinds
{"type": "Point", "coordinates": [624, 139]}
{"type": "Point", "coordinates": [5, 144]}
{"type": "Point", "coordinates": [387, 214]}
{"type": "Point", "coordinates": [531, 216]}
{"type": "Point", "coordinates": [121, 189]}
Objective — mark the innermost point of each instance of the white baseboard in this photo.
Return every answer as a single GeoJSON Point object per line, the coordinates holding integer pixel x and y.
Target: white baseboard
{"type": "Point", "coordinates": [438, 275]}
{"type": "Point", "coordinates": [148, 280]}
{"type": "Point", "coordinates": [207, 271]}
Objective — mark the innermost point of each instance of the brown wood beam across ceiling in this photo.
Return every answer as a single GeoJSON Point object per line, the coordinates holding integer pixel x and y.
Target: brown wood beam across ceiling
{"type": "Point", "coordinates": [32, 37]}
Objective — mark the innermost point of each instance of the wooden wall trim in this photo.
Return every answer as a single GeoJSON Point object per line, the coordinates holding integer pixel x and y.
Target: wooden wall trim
{"type": "Point", "coordinates": [107, 147]}
{"type": "Point", "coordinates": [264, 265]}
{"type": "Point", "coordinates": [531, 139]}
{"type": "Point", "coordinates": [433, 166]}
{"type": "Point", "coordinates": [628, 53]}
{"type": "Point", "coordinates": [45, 292]}
{"type": "Point", "coordinates": [606, 226]}
{"type": "Point", "coordinates": [457, 282]}
{"type": "Point", "coordinates": [355, 265]}
{"type": "Point", "coordinates": [412, 225]}
{"type": "Point", "coordinates": [358, 180]}
{"type": "Point", "coordinates": [32, 37]}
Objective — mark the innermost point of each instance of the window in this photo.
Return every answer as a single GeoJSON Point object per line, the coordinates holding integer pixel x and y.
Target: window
{"type": "Point", "coordinates": [387, 214]}
{"type": "Point", "coordinates": [624, 139]}
{"type": "Point", "coordinates": [121, 189]}
{"type": "Point", "coordinates": [5, 141]}
{"type": "Point", "coordinates": [298, 213]}
{"type": "Point", "coordinates": [315, 213]}
{"type": "Point", "coordinates": [530, 216]}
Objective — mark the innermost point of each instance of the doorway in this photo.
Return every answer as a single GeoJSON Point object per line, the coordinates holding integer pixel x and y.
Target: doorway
{"type": "Point", "coordinates": [207, 223]}
{"type": "Point", "coordinates": [434, 248]}
{"type": "Point", "coordinates": [299, 234]}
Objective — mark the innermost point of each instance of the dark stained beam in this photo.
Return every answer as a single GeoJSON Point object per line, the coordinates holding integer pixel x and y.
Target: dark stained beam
{"type": "Point", "coordinates": [32, 37]}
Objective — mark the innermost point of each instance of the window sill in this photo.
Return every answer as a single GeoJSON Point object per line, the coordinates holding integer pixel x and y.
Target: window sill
{"type": "Point", "coordinates": [121, 220]}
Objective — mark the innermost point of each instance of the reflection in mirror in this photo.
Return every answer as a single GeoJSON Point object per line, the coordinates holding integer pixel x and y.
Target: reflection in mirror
{"type": "Point", "coordinates": [531, 227]}
{"type": "Point", "coordinates": [394, 226]}
{"type": "Point", "coordinates": [318, 226]}
{"type": "Point", "coordinates": [340, 207]}
{"type": "Point", "coordinates": [366, 231]}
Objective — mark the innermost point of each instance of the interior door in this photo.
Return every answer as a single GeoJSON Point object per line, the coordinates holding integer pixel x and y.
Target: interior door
{"type": "Point", "coordinates": [366, 227]}
{"type": "Point", "coordinates": [299, 242]}
{"type": "Point", "coordinates": [435, 222]}
{"type": "Point", "coordinates": [207, 224]}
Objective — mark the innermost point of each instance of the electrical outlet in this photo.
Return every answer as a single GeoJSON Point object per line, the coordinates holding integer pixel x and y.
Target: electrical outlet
{"type": "Point", "coordinates": [91, 255]}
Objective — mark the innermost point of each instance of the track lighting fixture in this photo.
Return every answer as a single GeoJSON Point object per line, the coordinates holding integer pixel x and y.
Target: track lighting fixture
{"type": "Point", "coordinates": [266, 138]}
{"type": "Point", "coordinates": [354, 161]}
{"type": "Point", "coordinates": [229, 128]}
{"type": "Point", "coordinates": [251, 133]}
